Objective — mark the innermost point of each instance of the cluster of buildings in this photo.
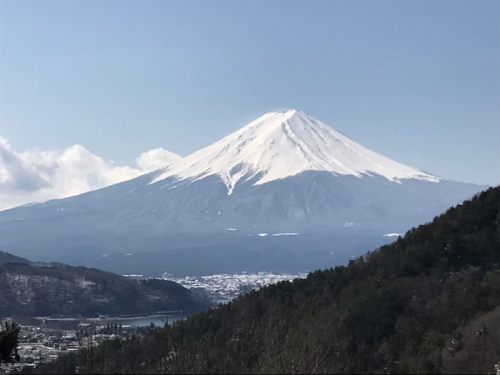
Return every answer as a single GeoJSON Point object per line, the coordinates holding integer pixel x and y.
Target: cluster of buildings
{"type": "Point", "coordinates": [224, 287]}
{"type": "Point", "coordinates": [39, 344]}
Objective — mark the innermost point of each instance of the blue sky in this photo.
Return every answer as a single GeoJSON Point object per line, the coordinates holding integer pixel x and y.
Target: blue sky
{"type": "Point", "coordinates": [417, 81]}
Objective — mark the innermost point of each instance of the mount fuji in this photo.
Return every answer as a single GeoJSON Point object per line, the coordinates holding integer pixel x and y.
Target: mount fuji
{"type": "Point", "coordinates": [284, 144]}
{"type": "Point", "coordinates": [283, 173]}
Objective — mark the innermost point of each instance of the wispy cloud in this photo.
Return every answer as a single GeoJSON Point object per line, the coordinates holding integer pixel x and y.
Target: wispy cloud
{"type": "Point", "coordinates": [40, 175]}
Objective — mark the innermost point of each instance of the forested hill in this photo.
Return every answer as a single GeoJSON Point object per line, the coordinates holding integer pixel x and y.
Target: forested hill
{"type": "Point", "coordinates": [427, 303]}
{"type": "Point", "coordinates": [60, 290]}
{"type": "Point", "coordinates": [9, 258]}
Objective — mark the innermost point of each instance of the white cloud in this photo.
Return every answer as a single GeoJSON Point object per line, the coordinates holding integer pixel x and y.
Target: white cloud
{"type": "Point", "coordinates": [41, 175]}
{"type": "Point", "coordinates": [157, 158]}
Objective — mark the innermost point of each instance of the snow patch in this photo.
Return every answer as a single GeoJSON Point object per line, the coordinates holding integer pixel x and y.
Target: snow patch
{"type": "Point", "coordinates": [30, 204]}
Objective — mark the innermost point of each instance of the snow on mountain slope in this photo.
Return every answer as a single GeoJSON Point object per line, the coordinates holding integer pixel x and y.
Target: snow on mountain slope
{"type": "Point", "coordinates": [282, 174]}
{"type": "Point", "coordinates": [283, 144]}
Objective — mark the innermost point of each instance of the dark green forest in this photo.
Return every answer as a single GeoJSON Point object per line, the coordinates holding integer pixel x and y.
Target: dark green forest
{"type": "Point", "coordinates": [427, 303]}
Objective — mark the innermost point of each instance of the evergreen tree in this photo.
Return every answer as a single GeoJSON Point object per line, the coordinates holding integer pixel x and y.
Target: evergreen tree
{"type": "Point", "coordinates": [8, 343]}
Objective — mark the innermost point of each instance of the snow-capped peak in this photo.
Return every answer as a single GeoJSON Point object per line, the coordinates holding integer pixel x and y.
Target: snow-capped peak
{"type": "Point", "coordinates": [283, 144]}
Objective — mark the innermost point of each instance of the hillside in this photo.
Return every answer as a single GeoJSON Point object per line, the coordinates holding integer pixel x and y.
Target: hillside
{"type": "Point", "coordinates": [10, 258]}
{"type": "Point", "coordinates": [60, 290]}
{"type": "Point", "coordinates": [427, 303]}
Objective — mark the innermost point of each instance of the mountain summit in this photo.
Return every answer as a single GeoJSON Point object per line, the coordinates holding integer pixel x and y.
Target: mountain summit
{"type": "Point", "coordinates": [278, 145]}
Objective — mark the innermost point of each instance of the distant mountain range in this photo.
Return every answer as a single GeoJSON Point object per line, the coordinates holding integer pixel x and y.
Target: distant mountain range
{"type": "Point", "coordinates": [285, 172]}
